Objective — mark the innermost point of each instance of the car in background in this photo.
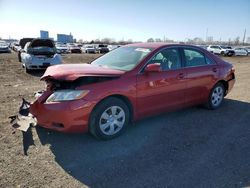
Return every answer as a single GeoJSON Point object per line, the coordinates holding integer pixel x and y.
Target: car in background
{"type": "Point", "coordinates": [74, 48]}
{"type": "Point", "coordinates": [203, 46]}
{"type": "Point", "coordinates": [102, 48]}
{"type": "Point", "coordinates": [240, 51]}
{"type": "Point", "coordinates": [22, 43]}
{"type": "Point", "coordinates": [221, 50]}
{"type": "Point", "coordinates": [4, 47]}
{"type": "Point", "coordinates": [16, 47]}
{"type": "Point", "coordinates": [248, 50]}
{"type": "Point", "coordinates": [89, 48]}
{"type": "Point", "coordinates": [62, 48]}
{"type": "Point", "coordinates": [39, 54]}
{"type": "Point", "coordinates": [112, 47]}
{"type": "Point", "coordinates": [130, 83]}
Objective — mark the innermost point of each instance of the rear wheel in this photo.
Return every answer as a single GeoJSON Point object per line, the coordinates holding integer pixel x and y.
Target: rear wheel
{"type": "Point", "coordinates": [216, 96]}
{"type": "Point", "coordinates": [109, 119]}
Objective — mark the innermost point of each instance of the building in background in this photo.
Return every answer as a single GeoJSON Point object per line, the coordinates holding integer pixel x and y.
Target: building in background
{"type": "Point", "coordinates": [44, 34]}
{"type": "Point", "coordinates": [65, 38]}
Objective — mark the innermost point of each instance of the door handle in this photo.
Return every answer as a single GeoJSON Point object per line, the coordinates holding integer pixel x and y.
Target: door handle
{"type": "Point", "coordinates": [214, 69]}
{"type": "Point", "coordinates": [180, 76]}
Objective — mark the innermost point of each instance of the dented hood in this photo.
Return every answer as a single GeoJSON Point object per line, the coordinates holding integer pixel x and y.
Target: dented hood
{"type": "Point", "coordinates": [71, 72]}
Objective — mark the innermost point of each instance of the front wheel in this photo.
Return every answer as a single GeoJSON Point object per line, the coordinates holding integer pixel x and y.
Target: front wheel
{"type": "Point", "coordinates": [216, 96]}
{"type": "Point", "coordinates": [109, 119]}
{"type": "Point", "coordinates": [27, 70]}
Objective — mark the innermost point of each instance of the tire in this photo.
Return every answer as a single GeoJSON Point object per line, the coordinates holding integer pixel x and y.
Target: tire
{"type": "Point", "coordinates": [27, 70]}
{"type": "Point", "coordinates": [223, 53]}
{"type": "Point", "coordinates": [216, 96]}
{"type": "Point", "coordinates": [109, 119]}
{"type": "Point", "coordinates": [19, 57]}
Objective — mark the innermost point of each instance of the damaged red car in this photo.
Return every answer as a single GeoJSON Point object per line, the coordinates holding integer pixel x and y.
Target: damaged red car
{"type": "Point", "coordinates": [129, 83]}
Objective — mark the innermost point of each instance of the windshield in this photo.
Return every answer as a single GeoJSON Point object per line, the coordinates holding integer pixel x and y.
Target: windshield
{"type": "Point", "coordinates": [223, 47]}
{"type": "Point", "coordinates": [125, 58]}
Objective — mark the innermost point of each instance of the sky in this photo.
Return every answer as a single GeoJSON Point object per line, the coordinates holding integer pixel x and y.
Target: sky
{"type": "Point", "coordinates": [126, 19]}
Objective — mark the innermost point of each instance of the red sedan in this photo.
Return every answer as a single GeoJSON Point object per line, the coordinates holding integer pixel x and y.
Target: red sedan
{"type": "Point", "coordinates": [130, 83]}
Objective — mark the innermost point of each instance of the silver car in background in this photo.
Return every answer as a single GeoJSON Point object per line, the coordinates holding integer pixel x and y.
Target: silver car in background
{"type": "Point", "coordinates": [89, 48]}
{"type": "Point", "coordinates": [240, 51]}
{"type": "Point", "coordinates": [4, 47]}
{"type": "Point", "coordinates": [62, 48]}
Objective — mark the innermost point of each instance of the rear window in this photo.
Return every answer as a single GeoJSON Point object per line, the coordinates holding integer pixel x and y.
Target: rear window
{"type": "Point", "coordinates": [194, 58]}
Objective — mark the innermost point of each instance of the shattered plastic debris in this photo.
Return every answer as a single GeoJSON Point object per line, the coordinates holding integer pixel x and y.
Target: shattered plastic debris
{"type": "Point", "coordinates": [23, 120]}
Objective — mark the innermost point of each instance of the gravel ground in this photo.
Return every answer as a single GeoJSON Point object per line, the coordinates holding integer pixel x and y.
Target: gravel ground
{"type": "Point", "coordinates": [192, 147]}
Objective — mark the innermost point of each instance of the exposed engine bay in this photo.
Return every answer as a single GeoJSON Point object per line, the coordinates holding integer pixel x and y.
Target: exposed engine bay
{"type": "Point", "coordinates": [24, 119]}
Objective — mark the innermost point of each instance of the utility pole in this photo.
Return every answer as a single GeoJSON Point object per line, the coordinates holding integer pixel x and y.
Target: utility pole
{"type": "Point", "coordinates": [206, 34]}
{"type": "Point", "coordinates": [244, 36]}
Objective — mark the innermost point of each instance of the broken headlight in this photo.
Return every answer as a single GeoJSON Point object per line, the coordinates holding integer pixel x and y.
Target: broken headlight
{"type": "Point", "coordinates": [66, 95]}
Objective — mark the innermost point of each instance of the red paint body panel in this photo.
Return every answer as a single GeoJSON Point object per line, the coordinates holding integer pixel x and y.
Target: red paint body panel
{"type": "Point", "coordinates": [148, 93]}
{"type": "Point", "coordinates": [73, 71]}
{"type": "Point", "coordinates": [72, 116]}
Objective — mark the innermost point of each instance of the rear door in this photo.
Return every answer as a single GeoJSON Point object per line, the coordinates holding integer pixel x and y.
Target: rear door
{"type": "Point", "coordinates": [164, 90]}
{"type": "Point", "coordinates": [201, 74]}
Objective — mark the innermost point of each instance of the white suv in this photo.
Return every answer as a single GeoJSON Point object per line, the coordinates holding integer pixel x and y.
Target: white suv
{"type": "Point", "coordinates": [222, 50]}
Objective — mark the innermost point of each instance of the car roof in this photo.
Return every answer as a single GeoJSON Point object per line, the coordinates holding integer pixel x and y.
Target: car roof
{"type": "Point", "coordinates": [155, 45]}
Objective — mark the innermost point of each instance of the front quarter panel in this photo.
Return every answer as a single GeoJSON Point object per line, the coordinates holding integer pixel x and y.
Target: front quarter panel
{"type": "Point", "coordinates": [122, 86]}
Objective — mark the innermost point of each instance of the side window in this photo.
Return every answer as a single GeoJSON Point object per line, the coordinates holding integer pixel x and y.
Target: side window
{"type": "Point", "coordinates": [209, 61]}
{"type": "Point", "coordinates": [169, 59]}
{"type": "Point", "coordinates": [194, 58]}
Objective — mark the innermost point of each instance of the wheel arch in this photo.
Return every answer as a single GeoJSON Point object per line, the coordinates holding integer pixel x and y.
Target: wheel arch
{"type": "Point", "coordinates": [225, 84]}
{"type": "Point", "coordinates": [125, 99]}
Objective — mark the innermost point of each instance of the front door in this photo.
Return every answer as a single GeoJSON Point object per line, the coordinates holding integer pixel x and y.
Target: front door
{"type": "Point", "coordinates": [163, 90]}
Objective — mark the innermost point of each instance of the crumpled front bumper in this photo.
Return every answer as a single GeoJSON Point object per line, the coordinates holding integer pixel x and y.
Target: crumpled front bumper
{"type": "Point", "coordinates": [71, 116]}
{"type": "Point", "coordinates": [68, 116]}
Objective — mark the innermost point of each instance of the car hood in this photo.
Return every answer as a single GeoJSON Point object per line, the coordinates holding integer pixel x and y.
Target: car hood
{"type": "Point", "coordinates": [72, 72]}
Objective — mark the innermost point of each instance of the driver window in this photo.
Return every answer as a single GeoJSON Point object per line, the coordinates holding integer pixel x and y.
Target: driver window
{"type": "Point", "coordinates": [169, 59]}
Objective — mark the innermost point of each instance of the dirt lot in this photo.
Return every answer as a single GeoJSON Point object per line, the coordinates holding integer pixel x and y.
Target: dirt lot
{"type": "Point", "coordinates": [193, 147]}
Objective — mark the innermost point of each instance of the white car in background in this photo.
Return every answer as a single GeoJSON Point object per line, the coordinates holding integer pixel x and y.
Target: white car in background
{"type": "Point", "coordinates": [62, 48]}
{"type": "Point", "coordinates": [112, 47]}
{"type": "Point", "coordinates": [240, 52]}
{"type": "Point", "coordinates": [4, 47]}
{"type": "Point", "coordinates": [221, 50]}
{"type": "Point", "coordinates": [89, 48]}
{"type": "Point", "coordinates": [16, 47]}
{"type": "Point", "coordinates": [39, 54]}
{"type": "Point", "coordinates": [73, 48]}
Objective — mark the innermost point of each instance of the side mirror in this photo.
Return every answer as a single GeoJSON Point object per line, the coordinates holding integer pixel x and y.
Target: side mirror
{"type": "Point", "coordinates": [153, 68]}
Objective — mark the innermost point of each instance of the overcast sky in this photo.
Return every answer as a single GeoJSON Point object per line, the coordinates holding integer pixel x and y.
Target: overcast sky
{"type": "Point", "coordinates": [125, 19]}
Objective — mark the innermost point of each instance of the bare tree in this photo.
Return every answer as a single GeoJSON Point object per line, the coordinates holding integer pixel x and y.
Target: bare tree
{"type": "Point", "coordinates": [150, 40]}
{"type": "Point", "coordinates": [237, 40]}
{"type": "Point", "coordinates": [158, 40]}
{"type": "Point", "coordinates": [97, 41]}
{"type": "Point", "coordinates": [248, 40]}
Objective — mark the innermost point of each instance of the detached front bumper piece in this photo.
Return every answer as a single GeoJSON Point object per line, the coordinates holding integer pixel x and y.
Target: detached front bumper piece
{"type": "Point", "coordinates": [23, 120]}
